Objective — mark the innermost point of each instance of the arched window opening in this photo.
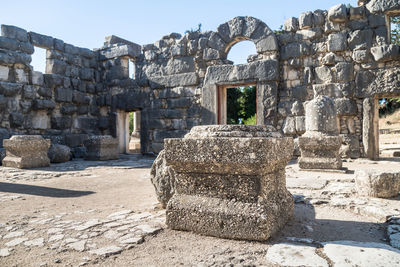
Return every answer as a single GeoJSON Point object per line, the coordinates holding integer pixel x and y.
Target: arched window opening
{"type": "Point", "coordinates": [240, 52]}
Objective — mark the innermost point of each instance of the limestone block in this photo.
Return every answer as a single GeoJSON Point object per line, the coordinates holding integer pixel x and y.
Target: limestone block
{"type": "Point", "coordinates": [319, 18]}
{"type": "Point", "coordinates": [383, 6]}
{"type": "Point", "coordinates": [10, 89]}
{"type": "Point", "coordinates": [320, 144]}
{"type": "Point", "coordinates": [291, 24]}
{"type": "Point", "coordinates": [59, 153]}
{"type": "Point", "coordinates": [230, 181]}
{"type": "Point", "coordinates": [101, 148]}
{"type": "Point", "coordinates": [323, 74]}
{"type": "Point", "coordinates": [344, 72]}
{"type": "Point", "coordinates": [357, 13]}
{"type": "Point", "coordinates": [338, 13]}
{"type": "Point", "coordinates": [306, 20]}
{"type": "Point", "coordinates": [40, 120]}
{"type": "Point", "coordinates": [4, 71]}
{"type": "Point", "coordinates": [37, 78]}
{"type": "Point", "coordinates": [373, 183]}
{"type": "Point", "coordinates": [321, 115]}
{"type": "Point", "coordinates": [21, 76]}
{"type": "Point", "coordinates": [289, 127]}
{"type": "Point", "coordinates": [41, 40]}
{"type": "Point", "coordinates": [163, 179]}
{"type": "Point", "coordinates": [14, 33]}
{"type": "Point", "coordinates": [319, 151]}
{"type": "Point", "coordinates": [385, 52]}
{"type": "Point", "coordinates": [337, 42]}
{"type": "Point", "coordinates": [26, 151]}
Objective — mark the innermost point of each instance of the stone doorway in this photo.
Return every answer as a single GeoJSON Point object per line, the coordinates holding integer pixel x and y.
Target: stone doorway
{"type": "Point", "coordinates": [389, 127]}
{"type": "Point", "coordinates": [128, 131]}
{"type": "Point", "coordinates": [239, 98]}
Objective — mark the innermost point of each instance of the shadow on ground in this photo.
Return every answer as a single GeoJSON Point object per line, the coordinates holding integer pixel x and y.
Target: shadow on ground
{"type": "Point", "coordinates": [41, 190]}
{"type": "Point", "coordinates": [305, 225]}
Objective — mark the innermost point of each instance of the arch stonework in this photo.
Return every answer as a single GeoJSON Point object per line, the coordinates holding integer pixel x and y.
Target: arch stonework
{"type": "Point", "coordinates": [264, 72]}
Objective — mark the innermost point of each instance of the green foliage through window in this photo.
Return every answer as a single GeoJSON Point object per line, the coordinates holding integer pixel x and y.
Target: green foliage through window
{"type": "Point", "coordinates": [388, 106]}
{"type": "Point", "coordinates": [241, 105]}
{"type": "Point", "coordinates": [395, 30]}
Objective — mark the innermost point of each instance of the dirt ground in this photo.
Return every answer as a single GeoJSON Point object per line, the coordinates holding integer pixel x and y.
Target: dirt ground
{"type": "Point", "coordinates": [106, 214]}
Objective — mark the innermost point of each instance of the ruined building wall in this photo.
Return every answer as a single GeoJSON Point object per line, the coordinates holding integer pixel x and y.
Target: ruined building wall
{"type": "Point", "coordinates": [344, 53]}
{"type": "Point", "coordinates": [60, 103]}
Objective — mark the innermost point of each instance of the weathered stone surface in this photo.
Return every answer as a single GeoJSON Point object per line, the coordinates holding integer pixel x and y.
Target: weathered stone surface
{"type": "Point", "coordinates": [163, 179]}
{"type": "Point", "coordinates": [320, 144]}
{"type": "Point", "coordinates": [385, 52]}
{"type": "Point", "coordinates": [291, 24]}
{"type": "Point", "coordinates": [343, 253]}
{"type": "Point", "coordinates": [59, 153]}
{"type": "Point", "coordinates": [337, 42]}
{"type": "Point", "coordinates": [14, 33]}
{"type": "Point", "coordinates": [306, 20]}
{"type": "Point", "coordinates": [287, 254]}
{"type": "Point", "coordinates": [101, 148]}
{"type": "Point", "coordinates": [203, 202]}
{"type": "Point", "coordinates": [376, 6]}
{"type": "Point", "coordinates": [382, 184]}
{"type": "Point", "coordinates": [338, 13]}
{"type": "Point", "coordinates": [26, 151]}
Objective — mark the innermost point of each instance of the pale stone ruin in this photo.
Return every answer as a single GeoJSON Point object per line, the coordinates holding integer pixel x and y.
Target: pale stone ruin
{"type": "Point", "coordinates": [318, 85]}
{"type": "Point", "coordinates": [230, 181]}
{"type": "Point", "coordinates": [320, 144]}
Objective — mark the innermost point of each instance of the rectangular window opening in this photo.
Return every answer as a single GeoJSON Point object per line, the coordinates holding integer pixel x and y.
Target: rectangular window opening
{"type": "Point", "coordinates": [132, 69]}
{"type": "Point", "coordinates": [39, 59]}
{"type": "Point", "coordinates": [395, 29]}
{"type": "Point", "coordinates": [389, 127]}
{"type": "Point", "coordinates": [238, 105]}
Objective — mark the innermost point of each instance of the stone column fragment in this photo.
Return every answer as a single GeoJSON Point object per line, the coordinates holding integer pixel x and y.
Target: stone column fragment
{"type": "Point", "coordinates": [320, 144]}
{"type": "Point", "coordinates": [230, 181]}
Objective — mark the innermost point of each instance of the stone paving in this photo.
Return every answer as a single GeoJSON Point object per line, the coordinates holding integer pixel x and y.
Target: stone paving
{"type": "Point", "coordinates": [99, 237]}
{"type": "Point", "coordinates": [93, 236]}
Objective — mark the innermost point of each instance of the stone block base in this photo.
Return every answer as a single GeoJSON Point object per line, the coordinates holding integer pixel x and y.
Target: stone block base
{"type": "Point", "coordinates": [320, 152]}
{"type": "Point", "coordinates": [382, 184]}
{"type": "Point", "coordinates": [228, 218]}
{"type": "Point", "coordinates": [26, 151]}
{"type": "Point", "coordinates": [134, 145]}
{"type": "Point", "coordinates": [101, 148]}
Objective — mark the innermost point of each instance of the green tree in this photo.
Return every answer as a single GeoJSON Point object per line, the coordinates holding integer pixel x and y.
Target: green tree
{"type": "Point", "coordinates": [241, 105]}
{"type": "Point", "coordinates": [395, 30]}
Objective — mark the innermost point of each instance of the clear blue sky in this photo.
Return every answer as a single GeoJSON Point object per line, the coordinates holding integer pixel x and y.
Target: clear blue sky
{"type": "Point", "coordinates": [85, 23]}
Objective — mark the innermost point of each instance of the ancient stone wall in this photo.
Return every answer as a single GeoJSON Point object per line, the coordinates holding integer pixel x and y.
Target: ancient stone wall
{"type": "Point", "coordinates": [60, 103]}
{"type": "Point", "coordinates": [343, 53]}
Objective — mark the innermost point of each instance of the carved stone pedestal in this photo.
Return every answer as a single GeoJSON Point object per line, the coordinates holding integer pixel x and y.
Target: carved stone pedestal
{"type": "Point", "coordinates": [230, 181]}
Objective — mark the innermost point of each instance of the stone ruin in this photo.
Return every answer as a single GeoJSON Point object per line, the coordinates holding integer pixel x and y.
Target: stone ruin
{"type": "Point", "coordinates": [230, 181]}
{"type": "Point", "coordinates": [342, 57]}
{"type": "Point", "coordinates": [343, 53]}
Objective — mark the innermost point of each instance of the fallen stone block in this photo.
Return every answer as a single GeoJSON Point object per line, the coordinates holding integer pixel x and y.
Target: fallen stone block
{"type": "Point", "coordinates": [230, 181]}
{"type": "Point", "coordinates": [26, 151]}
{"type": "Point", "coordinates": [163, 179]}
{"type": "Point", "coordinates": [59, 153]}
{"type": "Point", "coordinates": [381, 184]}
{"type": "Point", "coordinates": [101, 147]}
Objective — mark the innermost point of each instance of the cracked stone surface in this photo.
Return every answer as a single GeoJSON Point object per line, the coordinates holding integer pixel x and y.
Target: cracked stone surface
{"type": "Point", "coordinates": [111, 217]}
